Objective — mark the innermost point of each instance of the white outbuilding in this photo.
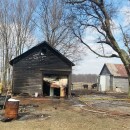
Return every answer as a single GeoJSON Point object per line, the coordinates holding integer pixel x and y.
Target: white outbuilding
{"type": "Point", "coordinates": [113, 77]}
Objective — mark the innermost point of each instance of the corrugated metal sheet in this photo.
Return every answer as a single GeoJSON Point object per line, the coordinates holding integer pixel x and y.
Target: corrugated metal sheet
{"type": "Point", "coordinates": [117, 69]}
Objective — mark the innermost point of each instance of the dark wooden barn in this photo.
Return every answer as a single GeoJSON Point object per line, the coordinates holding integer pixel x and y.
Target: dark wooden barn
{"type": "Point", "coordinates": [43, 70]}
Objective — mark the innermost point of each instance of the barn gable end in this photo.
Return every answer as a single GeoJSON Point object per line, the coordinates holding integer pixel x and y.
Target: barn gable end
{"type": "Point", "coordinates": [105, 71]}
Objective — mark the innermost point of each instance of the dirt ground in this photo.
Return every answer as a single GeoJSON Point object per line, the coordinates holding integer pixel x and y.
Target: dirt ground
{"type": "Point", "coordinates": [86, 111]}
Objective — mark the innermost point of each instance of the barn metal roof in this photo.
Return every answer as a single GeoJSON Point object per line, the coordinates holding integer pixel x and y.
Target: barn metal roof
{"type": "Point", "coordinates": [117, 69]}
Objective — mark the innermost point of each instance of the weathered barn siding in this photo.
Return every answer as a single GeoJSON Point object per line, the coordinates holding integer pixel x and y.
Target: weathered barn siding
{"type": "Point", "coordinates": [38, 59]}
{"type": "Point", "coordinates": [26, 81]}
{"type": "Point", "coordinates": [28, 69]}
{"type": "Point", "coordinates": [121, 83]}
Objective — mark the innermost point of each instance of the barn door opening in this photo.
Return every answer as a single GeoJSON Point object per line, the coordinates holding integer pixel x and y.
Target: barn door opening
{"type": "Point", "coordinates": [46, 88]}
{"type": "Point", "coordinates": [55, 85]}
{"type": "Point", "coordinates": [56, 92]}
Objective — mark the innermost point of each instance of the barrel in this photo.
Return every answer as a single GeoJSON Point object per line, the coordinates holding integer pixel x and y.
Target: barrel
{"type": "Point", "coordinates": [11, 109]}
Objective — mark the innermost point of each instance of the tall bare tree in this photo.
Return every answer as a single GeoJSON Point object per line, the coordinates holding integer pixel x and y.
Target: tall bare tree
{"type": "Point", "coordinates": [23, 23]}
{"type": "Point", "coordinates": [97, 15]}
{"type": "Point", "coordinates": [55, 30]}
{"type": "Point", "coordinates": [5, 32]}
{"type": "Point", "coordinates": [15, 31]}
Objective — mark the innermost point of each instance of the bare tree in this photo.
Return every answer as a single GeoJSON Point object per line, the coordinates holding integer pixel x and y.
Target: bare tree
{"type": "Point", "coordinates": [15, 31]}
{"type": "Point", "coordinates": [55, 30]}
{"type": "Point", "coordinates": [97, 15]}
{"type": "Point", "coordinates": [5, 30]}
{"type": "Point", "coordinates": [23, 25]}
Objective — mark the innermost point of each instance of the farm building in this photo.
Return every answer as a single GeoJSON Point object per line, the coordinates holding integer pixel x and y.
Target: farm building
{"type": "Point", "coordinates": [113, 77]}
{"type": "Point", "coordinates": [43, 70]}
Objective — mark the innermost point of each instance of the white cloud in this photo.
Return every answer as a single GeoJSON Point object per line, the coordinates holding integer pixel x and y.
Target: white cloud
{"type": "Point", "coordinates": [125, 12]}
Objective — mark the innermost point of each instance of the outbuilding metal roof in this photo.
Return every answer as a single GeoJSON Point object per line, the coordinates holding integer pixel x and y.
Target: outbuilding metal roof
{"type": "Point", "coordinates": [117, 69]}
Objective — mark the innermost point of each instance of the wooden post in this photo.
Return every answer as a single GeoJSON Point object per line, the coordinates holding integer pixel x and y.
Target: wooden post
{"type": "Point", "coordinates": [51, 91]}
{"type": "Point", "coordinates": [62, 92]}
{"type": "Point", "coordinates": [69, 84]}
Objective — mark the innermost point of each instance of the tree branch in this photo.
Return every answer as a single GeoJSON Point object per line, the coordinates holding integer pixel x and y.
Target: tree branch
{"type": "Point", "coordinates": [75, 1]}
{"type": "Point", "coordinates": [126, 42]}
{"type": "Point", "coordinates": [79, 37]}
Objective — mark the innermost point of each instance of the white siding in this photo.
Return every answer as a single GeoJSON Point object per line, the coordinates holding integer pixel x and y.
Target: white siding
{"type": "Point", "coordinates": [104, 83]}
{"type": "Point", "coordinates": [107, 82]}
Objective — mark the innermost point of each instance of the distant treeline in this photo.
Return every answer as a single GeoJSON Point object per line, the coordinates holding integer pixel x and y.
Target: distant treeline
{"type": "Point", "coordinates": [90, 78]}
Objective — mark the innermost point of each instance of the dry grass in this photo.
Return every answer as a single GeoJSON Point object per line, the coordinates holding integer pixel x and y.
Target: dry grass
{"type": "Point", "coordinates": [65, 116]}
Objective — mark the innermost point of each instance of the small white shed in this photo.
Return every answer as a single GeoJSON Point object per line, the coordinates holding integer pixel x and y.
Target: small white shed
{"type": "Point", "coordinates": [113, 77]}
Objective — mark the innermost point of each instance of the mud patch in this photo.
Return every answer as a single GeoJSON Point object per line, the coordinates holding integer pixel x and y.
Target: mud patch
{"type": "Point", "coordinates": [31, 116]}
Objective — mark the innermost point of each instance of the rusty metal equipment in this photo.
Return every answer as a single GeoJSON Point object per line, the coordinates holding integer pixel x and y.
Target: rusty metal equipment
{"type": "Point", "coordinates": [11, 109]}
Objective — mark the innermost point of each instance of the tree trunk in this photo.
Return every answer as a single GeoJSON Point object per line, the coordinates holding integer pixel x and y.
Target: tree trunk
{"type": "Point", "coordinates": [128, 72]}
{"type": "Point", "coordinates": [129, 86]}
